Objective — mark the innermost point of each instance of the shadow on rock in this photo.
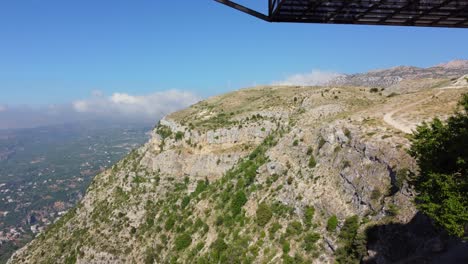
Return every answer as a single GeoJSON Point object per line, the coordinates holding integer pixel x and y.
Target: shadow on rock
{"type": "Point", "coordinates": [419, 241]}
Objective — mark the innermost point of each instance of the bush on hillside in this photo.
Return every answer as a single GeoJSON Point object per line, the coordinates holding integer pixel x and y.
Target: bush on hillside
{"type": "Point", "coordinates": [441, 151]}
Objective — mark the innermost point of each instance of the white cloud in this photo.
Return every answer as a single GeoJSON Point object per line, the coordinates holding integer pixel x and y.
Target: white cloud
{"type": "Point", "coordinates": [123, 105]}
{"type": "Point", "coordinates": [116, 108]}
{"type": "Point", "coordinates": [316, 77]}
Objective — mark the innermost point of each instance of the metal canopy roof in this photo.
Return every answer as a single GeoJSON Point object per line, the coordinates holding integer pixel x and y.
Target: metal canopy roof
{"type": "Point", "coordinates": [424, 13]}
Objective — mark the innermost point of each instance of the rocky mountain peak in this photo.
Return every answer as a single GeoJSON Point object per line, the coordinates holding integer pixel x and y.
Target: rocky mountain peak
{"type": "Point", "coordinates": [455, 64]}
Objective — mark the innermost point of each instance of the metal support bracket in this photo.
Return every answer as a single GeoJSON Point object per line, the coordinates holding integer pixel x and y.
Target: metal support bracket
{"type": "Point", "coordinates": [244, 9]}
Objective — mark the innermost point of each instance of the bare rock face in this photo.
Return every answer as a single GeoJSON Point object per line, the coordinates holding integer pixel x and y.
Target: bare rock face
{"type": "Point", "coordinates": [255, 177]}
{"type": "Point", "coordinates": [216, 151]}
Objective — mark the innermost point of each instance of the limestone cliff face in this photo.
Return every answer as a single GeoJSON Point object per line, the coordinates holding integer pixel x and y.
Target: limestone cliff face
{"type": "Point", "coordinates": [202, 155]}
{"type": "Point", "coordinates": [249, 177]}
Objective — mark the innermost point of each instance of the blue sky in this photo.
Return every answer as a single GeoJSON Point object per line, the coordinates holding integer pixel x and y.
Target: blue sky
{"type": "Point", "coordinates": [56, 52]}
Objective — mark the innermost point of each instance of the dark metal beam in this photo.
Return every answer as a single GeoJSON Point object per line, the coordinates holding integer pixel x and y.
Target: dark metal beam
{"type": "Point", "coordinates": [278, 8]}
{"type": "Point", "coordinates": [244, 9]}
{"type": "Point", "coordinates": [368, 10]}
{"type": "Point", "coordinates": [422, 13]}
{"type": "Point", "coordinates": [427, 11]}
{"type": "Point", "coordinates": [456, 14]}
{"type": "Point", "coordinates": [312, 7]}
{"type": "Point", "coordinates": [332, 16]}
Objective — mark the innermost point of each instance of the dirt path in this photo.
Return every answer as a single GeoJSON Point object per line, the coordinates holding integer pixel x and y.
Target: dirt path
{"type": "Point", "coordinates": [388, 117]}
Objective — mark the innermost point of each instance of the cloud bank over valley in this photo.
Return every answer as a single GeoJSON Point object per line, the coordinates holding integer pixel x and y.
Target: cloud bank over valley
{"type": "Point", "coordinates": [117, 107]}
{"type": "Point", "coordinates": [313, 78]}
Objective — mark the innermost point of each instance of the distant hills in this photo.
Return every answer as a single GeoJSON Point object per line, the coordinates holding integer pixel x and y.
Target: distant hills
{"type": "Point", "coordinates": [393, 76]}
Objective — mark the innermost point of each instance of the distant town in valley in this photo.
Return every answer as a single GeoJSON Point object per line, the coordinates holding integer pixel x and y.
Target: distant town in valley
{"type": "Point", "coordinates": [45, 171]}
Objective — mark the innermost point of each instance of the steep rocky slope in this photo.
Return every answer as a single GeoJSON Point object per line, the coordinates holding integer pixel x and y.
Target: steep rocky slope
{"type": "Point", "coordinates": [257, 175]}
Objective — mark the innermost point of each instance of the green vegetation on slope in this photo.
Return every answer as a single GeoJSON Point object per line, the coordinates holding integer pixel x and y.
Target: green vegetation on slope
{"type": "Point", "coordinates": [441, 150]}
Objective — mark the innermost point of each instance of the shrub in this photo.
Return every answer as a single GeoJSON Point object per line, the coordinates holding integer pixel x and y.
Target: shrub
{"type": "Point", "coordinates": [353, 245]}
{"type": "Point", "coordinates": [238, 201]}
{"type": "Point", "coordinates": [264, 214]}
{"type": "Point", "coordinates": [201, 187]}
{"type": "Point", "coordinates": [149, 222]}
{"type": "Point", "coordinates": [310, 150]}
{"type": "Point", "coordinates": [185, 201]}
{"type": "Point", "coordinates": [321, 142]}
{"type": "Point", "coordinates": [286, 247]}
{"type": "Point", "coordinates": [288, 259]}
{"type": "Point", "coordinates": [281, 210]}
{"type": "Point", "coordinates": [274, 228]}
{"type": "Point", "coordinates": [350, 227]}
{"type": "Point", "coordinates": [296, 142]}
{"type": "Point", "coordinates": [219, 246]}
{"type": "Point", "coordinates": [149, 256]}
{"type": "Point", "coordinates": [312, 162]}
{"type": "Point", "coordinates": [182, 241]}
{"type": "Point", "coordinates": [179, 135]}
{"type": "Point", "coordinates": [376, 194]}
{"type": "Point", "coordinates": [309, 241]}
{"type": "Point", "coordinates": [164, 131]}
{"type": "Point", "coordinates": [332, 223]}
{"type": "Point", "coordinates": [309, 214]}
{"type": "Point", "coordinates": [374, 90]}
{"type": "Point", "coordinates": [392, 210]}
{"type": "Point", "coordinates": [169, 223]}
{"type": "Point", "coordinates": [347, 133]}
{"type": "Point", "coordinates": [294, 228]}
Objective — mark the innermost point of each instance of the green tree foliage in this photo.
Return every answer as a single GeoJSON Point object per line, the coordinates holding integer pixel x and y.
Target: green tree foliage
{"type": "Point", "coordinates": [201, 186]}
{"type": "Point", "coordinates": [353, 244]}
{"type": "Point", "coordinates": [309, 241]}
{"type": "Point", "coordinates": [296, 142]}
{"type": "Point", "coordinates": [218, 247]}
{"type": "Point", "coordinates": [350, 227]}
{"type": "Point", "coordinates": [239, 200]}
{"type": "Point", "coordinates": [182, 241]}
{"type": "Point", "coordinates": [185, 201]}
{"type": "Point", "coordinates": [286, 247]}
{"type": "Point", "coordinates": [309, 215]}
{"type": "Point", "coordinates": [332, 223]}
{"type": "Point", "coordinates": [264, 214]}
{"type": "Point", "coordinates": [441, 150]}
{"type": "Point", "coordinates": [149, 256]}
{"type": "Point", "coordinates": [312, 162]}
{"type": "Point", "coordinates": [169, 224]}
{"type": "Point", "coordinates": [164, 131]}
{"type": "Point", "coordinates": [179, 135]}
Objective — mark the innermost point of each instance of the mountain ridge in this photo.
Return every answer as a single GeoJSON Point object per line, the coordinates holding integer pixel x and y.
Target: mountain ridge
{"type": "Point", "coordinates": [257, 176]}
{"type": "Point", "coordinates": [391, 77]}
